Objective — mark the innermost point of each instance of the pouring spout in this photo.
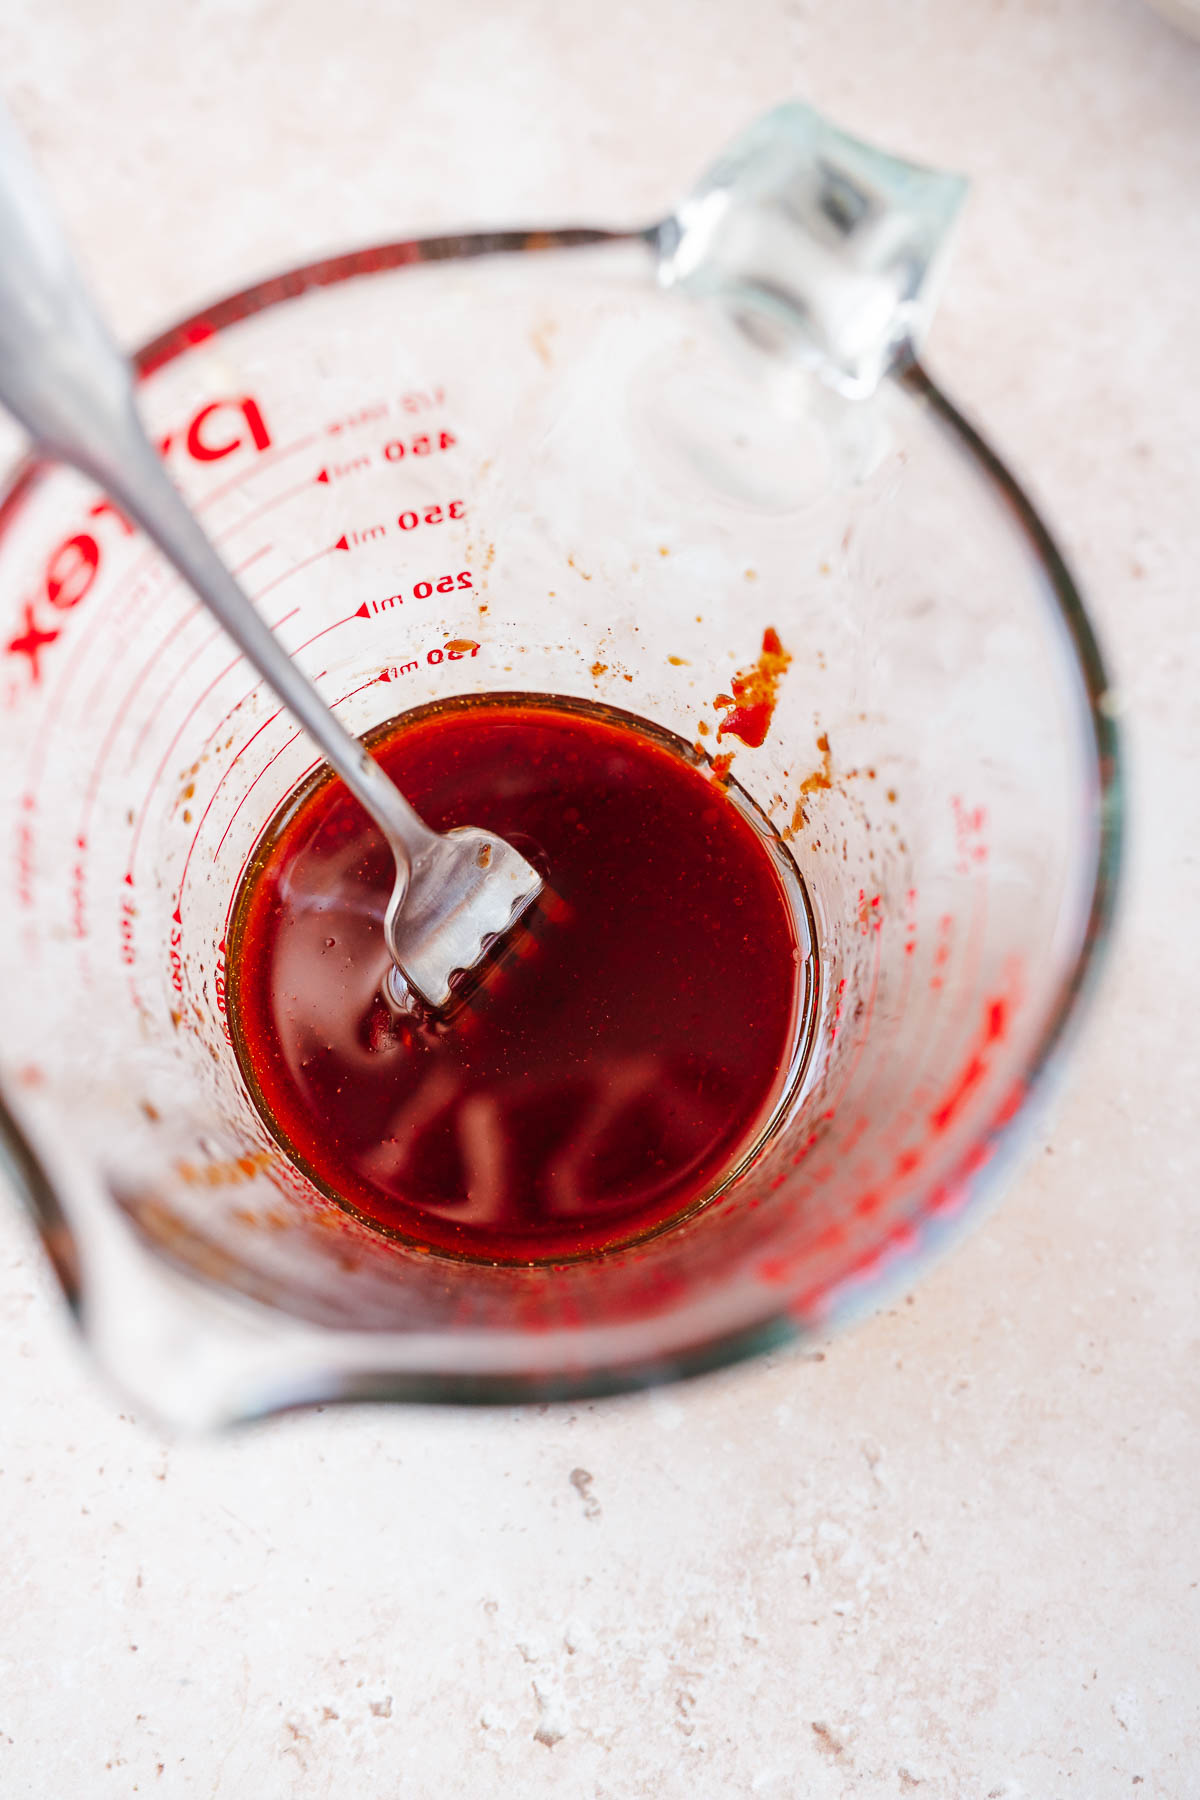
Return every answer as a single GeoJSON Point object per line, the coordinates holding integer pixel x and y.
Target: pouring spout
{"type": "Point", "coordinates": [820, 250]}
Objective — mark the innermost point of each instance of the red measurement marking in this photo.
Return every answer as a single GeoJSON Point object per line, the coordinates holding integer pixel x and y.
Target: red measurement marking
{"type": "Point", "coordinates": [885, 1049]}
{"type": "Point", "coordinates": [965, 983]}
{"type": "Point", "coordinates": [995, 1029]}
{"type": "Point", "coordinates": [121, 714]}
{"type": "Point", "coordinates": [25, 851]}
{"type": "Point", "coordinates": [67, 580]}
{"type": "Point", "coordinates": [419, 400]}
{"type": "Point", "coordinates": [237, 880]}
{"type": "Point", "coordinates": [267, 459]}
{"type": "Point", "coordinates": [289, 493]}
{"type": "Point", "coordinates": [184, 669]}
{"type": "Point", "coordinates": [322, 633]}
{"type": "Point", "coordinates": [31, 641]}
{"type": "Point", "coordinates": [214, 792]}
{"type": "Point", "coordinates": [100, 507]}
{"type": "Point", "coordinates": [432, 515]}
{"type": "Point", "coordinates": [127, 916]}
{"type": "Point", "coordinates": [188, 716]}
{"type": "Point", "coordinates": [72, 568]}
{"type": "Point", "coordinates": [811, 1302]}
{"type": "Point", "coordinates": [864, 1033]}
{"type": "Point", "coordinates": [201, 446]}
{"type": "Point", "coordinates": [976, 929]}
{"type": "Point", "coordinates": [935, 1037]}
{"type": "Point", "coordinates": [118, 641]}
{"type": "Point", "coordinates": [191, 847]}
{"type": "Point", "coordinates": [316, 763]}
{"type": "Point", "coordinates": [939, 1039]}
{"type": "Point", "coordinates": [119, 719]}
{"type": "Point", "coordinates": [366, 534]}
{"type": "Point", "coordinates": [838, 1010]}
{"type": "Point", "coordinates": [445, 584]}
{"type": "Point", "coordinates": [339, 471]}
{"type": "Point", "coordinates": [239, 703]}
{"type": "Point", "coordinates": [424, 444]}
{"type": "Point", "coordinates": [366, 415]}
{"type": "Point", "coordinates": [295, 569]}
{"type": "Point", "coordinates": [175, 958]}
{"type": "Point", "coordinates": [453, 651]}
{"type": "Point", "coordinates": [970, 824]}
{"type": "Point", "coordinates": [212, 797]}
{"type": "Point", "coordinates": [237, 809]}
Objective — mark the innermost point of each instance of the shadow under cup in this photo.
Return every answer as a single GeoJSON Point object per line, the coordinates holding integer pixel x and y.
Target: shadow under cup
{"type": "Point", "coordinates": [538, 460]}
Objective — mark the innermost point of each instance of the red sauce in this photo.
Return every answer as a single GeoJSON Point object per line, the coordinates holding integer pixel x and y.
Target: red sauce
{"type": "Point", "coordinates": [607, 1074]}
{"type": "Point", "coordinates": [750, 708]}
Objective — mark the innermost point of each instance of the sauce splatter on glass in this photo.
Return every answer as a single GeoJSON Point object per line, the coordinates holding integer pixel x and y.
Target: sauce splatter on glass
{"type": "Point", "coordinates": [751, 705]}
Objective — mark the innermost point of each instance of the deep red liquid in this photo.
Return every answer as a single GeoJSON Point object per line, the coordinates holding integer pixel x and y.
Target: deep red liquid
{"type": "Point", "coordinates": [607, 1074]}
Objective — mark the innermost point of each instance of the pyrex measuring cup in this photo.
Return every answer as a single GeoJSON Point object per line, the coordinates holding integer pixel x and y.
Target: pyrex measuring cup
{"type": "Point", "coordinates": [514, 463]}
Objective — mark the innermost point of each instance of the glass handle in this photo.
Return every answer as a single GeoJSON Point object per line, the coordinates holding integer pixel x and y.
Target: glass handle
{"type": "Point", "coordinates": [820, 250]}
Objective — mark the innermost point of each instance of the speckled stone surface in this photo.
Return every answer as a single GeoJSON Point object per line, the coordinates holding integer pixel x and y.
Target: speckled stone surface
{"type": "Point", "coordinates": [955, 1555]}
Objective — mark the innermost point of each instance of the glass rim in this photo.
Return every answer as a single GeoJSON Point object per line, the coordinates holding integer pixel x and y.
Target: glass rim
{"type": "Point", "coordinates": [978, 1176]}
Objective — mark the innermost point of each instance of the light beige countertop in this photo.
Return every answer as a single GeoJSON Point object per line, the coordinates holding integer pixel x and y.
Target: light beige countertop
{"type": "Point", "coordinates": [954, 1555]}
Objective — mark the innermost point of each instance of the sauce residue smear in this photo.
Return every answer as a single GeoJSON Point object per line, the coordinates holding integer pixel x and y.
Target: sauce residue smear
{"type": "Point", "coordinates": [749, 708]}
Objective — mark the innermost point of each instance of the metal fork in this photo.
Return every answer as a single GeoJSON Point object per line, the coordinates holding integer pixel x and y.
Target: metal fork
{"type": "Point", "coordinates": [63, 376]}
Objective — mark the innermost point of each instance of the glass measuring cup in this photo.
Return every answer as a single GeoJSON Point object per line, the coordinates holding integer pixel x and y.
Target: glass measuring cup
{"type": "Point", "coordinates": [510, 463]}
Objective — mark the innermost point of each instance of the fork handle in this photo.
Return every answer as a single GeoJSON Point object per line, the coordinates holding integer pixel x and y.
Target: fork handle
{"type": "Point", "coordinates": [63, 376]}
